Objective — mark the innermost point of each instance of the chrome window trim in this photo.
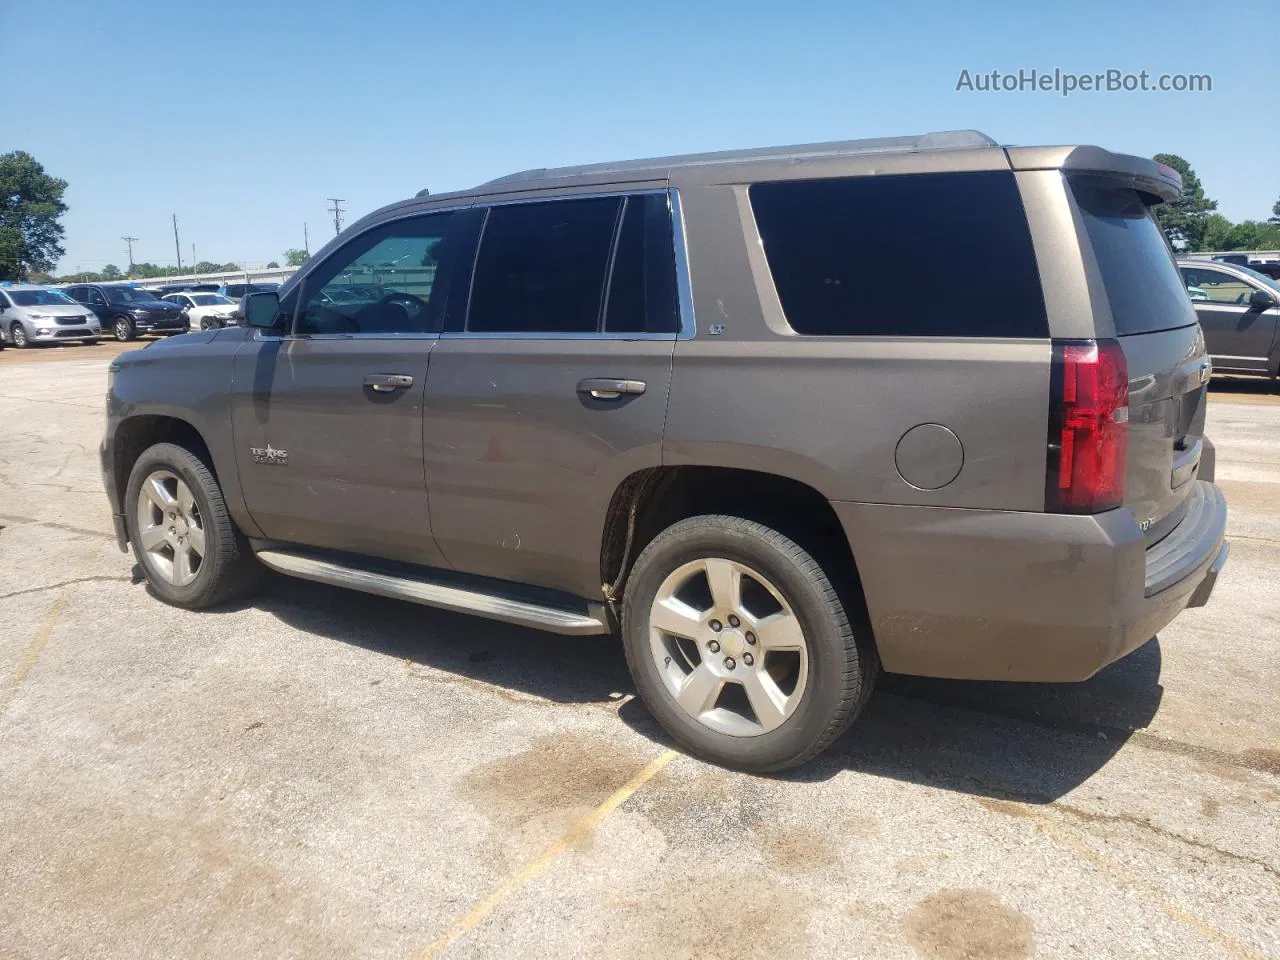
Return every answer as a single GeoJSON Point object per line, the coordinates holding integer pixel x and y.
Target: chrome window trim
{"type": "Point", "coordinates": [686, 326]}
{"type": "Point", "coordinates": [262, 335]}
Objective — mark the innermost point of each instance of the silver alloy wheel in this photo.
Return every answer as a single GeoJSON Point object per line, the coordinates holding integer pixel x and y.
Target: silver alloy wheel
{"type": "Point", "coordinates": [122, 328]}
{"type": "Point", "coordinates": [170, 528]}
{"type": "Point", "coordinates": [728, 647]}
{"type": "Point", "coordinates": [19, 334]}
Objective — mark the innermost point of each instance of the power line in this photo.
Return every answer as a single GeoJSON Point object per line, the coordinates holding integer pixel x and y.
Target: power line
{"type": "Point", "coordinates": [337, 212]}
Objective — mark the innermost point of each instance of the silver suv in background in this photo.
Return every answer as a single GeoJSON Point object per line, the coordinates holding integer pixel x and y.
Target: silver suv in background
{"type": "Point", "coordinates": [1239, 311]}
{"type": "Point", "coordinates": [711, 405]}
{"type": "Point", "coordinates": [31, 315]}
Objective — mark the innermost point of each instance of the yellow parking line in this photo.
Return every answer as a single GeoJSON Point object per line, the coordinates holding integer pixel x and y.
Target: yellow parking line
{"type": "Point", "coordinates": [37, 644]}
{"type": "Point", "coordinates": [33, 651]}
{"type": "Point", "coordinates": [574, 836]}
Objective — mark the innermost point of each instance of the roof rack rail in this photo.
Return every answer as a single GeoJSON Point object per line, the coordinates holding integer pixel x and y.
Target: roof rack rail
{"type": "Point", "coordinates": [939, 140]}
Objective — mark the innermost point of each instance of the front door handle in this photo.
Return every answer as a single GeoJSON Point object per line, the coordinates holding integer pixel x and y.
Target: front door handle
{"type": "Point", "coordinates": [605, 388]}
{"type": "Point", "coordinates": [386, 382]}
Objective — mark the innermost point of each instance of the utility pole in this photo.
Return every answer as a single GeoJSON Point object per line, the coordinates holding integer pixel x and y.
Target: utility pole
{"type": "Point", "coordinates": [193, 258]}
{"type": "Point", "coordinates": [337, 215]}
{"type": "Point", "coordinates": [306, 241]}
{"type": "Point", "coordinates": [130, 241]}
{"type": "Point", "coordinates": [177, 247]}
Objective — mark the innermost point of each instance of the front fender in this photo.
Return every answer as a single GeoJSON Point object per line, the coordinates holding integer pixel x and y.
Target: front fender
{"type": "Point", "coordinates": [186, 378]}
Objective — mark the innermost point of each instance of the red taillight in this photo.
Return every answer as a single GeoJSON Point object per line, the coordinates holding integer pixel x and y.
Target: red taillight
{"type": "Point", "coordinates": [1088, 427]}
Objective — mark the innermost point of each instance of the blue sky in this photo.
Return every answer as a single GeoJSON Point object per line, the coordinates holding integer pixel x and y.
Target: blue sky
{"type": "Point", "coordinates": [243, 117]}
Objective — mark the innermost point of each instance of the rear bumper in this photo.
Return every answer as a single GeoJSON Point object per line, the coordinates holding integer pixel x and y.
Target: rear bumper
{"type": "Point", "coordinates": [999, 595]}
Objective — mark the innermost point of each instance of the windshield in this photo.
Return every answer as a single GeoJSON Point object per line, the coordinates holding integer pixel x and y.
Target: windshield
{"type": "Point", "coordinates": [41, 298]}
{"type": "Point", "coordinates": [127, 294]}
{"type": "Point", "coordinates": [209, 300]}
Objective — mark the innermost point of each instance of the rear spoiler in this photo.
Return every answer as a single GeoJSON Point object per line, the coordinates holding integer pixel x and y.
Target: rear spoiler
{"type": "Point", "coordinates": [1159, 182]}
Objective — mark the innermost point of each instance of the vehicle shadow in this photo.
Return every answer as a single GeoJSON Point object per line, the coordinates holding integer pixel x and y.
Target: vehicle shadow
{"type": "Point", "coordinates": [1019, 741]}
{"type": "Point", "coordinates": [1227, 384]}
{"type": "Point", "coordinates": [1029, 742]}
{"type": "Point", "coordinates": [556, 668]}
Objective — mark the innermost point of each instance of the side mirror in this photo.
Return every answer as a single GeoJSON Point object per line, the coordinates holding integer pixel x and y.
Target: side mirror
{"type": "Point", "coordinates": [1261, 300]}
{"type": "Point", "coordinates": [260, 310]}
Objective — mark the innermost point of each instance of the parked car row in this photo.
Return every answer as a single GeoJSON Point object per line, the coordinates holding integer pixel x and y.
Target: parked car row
{"type": "Point", "coordinates": [31, 314]}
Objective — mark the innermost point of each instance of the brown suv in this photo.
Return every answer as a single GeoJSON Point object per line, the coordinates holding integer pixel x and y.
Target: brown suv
{"type": "Point", "coordinates": [712, 403]}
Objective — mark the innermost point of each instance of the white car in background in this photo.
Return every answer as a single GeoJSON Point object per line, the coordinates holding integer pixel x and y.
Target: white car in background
{"type": "Point", "coordinates": [205, 311]}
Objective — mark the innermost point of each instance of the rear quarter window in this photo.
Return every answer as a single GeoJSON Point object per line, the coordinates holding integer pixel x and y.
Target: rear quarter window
{"type": "Point", "coordinates": [922, 255]}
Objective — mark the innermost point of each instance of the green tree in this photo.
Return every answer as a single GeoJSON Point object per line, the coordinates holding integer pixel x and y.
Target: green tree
{"type": "Point", "coordinates": [296, 258]}
{"type": "Point", "coordinates": [112, 272]}
{"type": "Point", "coordinates": [30, 209]}
{"type": "Point", "coordinates": [1275, 213]}
{"type": "Point", "coordinates": [1184, 220]}
{"type": "Point", "coordinates": [1217, 229]}
{"type": "Point", "coordinates": [273, 265]}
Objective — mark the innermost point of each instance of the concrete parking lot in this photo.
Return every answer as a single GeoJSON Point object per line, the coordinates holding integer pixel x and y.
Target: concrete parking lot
{"type": "Point", "coordinates": [320, 773]}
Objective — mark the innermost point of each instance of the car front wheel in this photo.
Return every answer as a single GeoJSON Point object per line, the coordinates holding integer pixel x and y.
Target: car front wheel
{"type": "Point", "coordinates": [190, 550]}
{"type": "Point", "coordinates": [18, 334]}
{"type": "Point", "coordinates": [740, 645]}
{"type": "Point", "coordinates": [123, 329]}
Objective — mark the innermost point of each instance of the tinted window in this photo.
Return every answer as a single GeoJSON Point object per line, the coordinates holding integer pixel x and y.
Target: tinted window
{"type": "Point", "coordinates": [383, 281]}
{"type": "Point", "coordinates": [76, 293]}
{"type": "Point", "coordinates": [95, 297]}
{"type": "Point", "coordinates": [642, 292]}
{"type": "Point", "coordinates": [541, 267]}
{"type": "Point", "coordinates": [1215, 286]}
{"type": "Point", "coordinates": [1136, 264]}
{"type": "Point", "coordinates": [922, 255]}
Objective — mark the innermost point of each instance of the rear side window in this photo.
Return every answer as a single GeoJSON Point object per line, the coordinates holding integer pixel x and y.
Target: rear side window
{"type": "Point", "coordinates": [1138, 270]}
{"type": "Point", "coordinates": [642, 286]}
{"type": "Point", "coordinates": [542, 266]}
{"type": "Point", "coordinates": [924, 255]}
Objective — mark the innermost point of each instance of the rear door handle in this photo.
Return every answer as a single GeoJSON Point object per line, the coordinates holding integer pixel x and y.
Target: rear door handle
{"type": "Point", "coordinates": [605, 388]}
{"type": "Point", "coordinates": [386, 382]}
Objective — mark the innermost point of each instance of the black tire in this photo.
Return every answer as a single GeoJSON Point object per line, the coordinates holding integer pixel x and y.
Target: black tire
{"type": "Point", "coordinates": [210, 323]}
{"type": "Point", "coordinates": [842, 667]}
{"type": "Point", "coordinates": [124, 329]}
{"type": "Point", "coordinates": [18, 334]}
{"type": "Point", "coordinates": [229, 569]}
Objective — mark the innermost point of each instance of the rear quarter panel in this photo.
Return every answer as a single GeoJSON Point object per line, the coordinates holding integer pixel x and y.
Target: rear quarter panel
{"type": "Point", "coordinates": [830, 411]}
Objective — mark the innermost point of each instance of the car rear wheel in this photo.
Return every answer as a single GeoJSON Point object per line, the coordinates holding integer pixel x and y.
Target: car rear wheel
{"type": "Point", "coordinates": [210, 323]}
{"type": "Point", "coordinates": [190, 550]}
{"type": "Point", "coordinates": [740, 645]}
{"type": "Point", "coordinates": [18, 334]}
{"type": "Point", "coordinates": [123, 328]}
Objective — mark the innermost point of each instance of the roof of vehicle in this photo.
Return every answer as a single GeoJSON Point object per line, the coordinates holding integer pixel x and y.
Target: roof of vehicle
{"type": "Point", "coordinates": [944, 140]}
{"type": "Point", "coordinates": [24, 286]}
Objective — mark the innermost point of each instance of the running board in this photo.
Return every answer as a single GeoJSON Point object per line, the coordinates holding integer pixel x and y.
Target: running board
{"type": "Point", "coordinates": [430, 594]}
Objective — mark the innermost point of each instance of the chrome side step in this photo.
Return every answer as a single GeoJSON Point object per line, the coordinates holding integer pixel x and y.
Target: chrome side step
{"type": "Point", "coordinates": [440, 595]}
